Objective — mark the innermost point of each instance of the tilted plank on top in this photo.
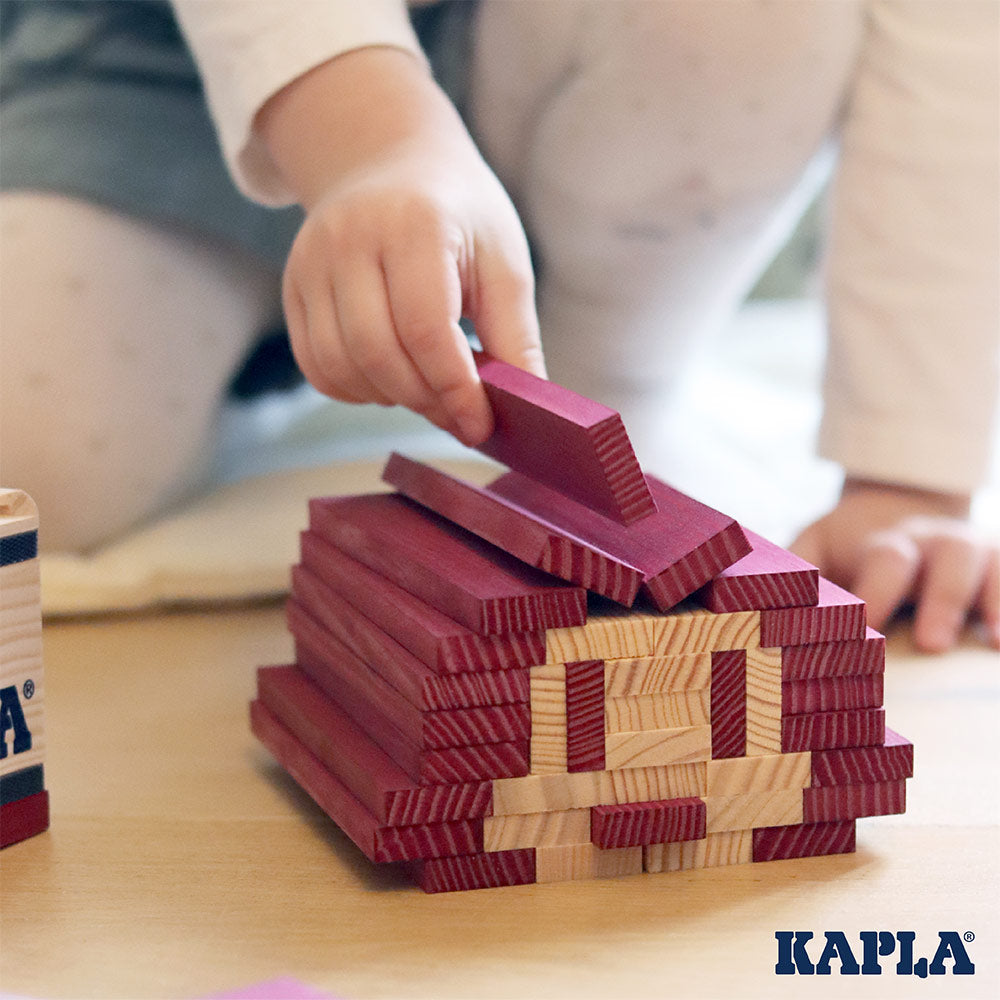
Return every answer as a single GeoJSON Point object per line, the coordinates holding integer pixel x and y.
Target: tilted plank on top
{"type": "Point", "coordinates": [449, 568]}
{"type": "Point", "coordinates": [564, 440]}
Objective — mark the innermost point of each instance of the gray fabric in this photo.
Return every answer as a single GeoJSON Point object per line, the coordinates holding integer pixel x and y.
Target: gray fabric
{"type": "Point", "coordinates": [101, 99]}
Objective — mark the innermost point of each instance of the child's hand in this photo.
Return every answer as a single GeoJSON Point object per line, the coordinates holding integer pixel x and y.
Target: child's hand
{"type": "Point", "coordinates": [891, 545]}
{"type": "Point", "coordinates": [407, 230]}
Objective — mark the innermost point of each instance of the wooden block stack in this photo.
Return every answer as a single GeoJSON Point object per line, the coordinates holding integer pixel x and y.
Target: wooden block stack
{"type": "Point", "coordinates": [24, 802]}
{"type": "Point", "coordinates": [575, 672]}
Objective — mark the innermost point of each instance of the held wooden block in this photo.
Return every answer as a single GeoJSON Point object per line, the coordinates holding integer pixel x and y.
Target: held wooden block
{"type": "Point", "coordinates": [764, 773]}
{"type": "Point", "coordinates": [675, 550]}
{"type": "Point", "coordinates": [837, 616]}
{"type": "Point", "coordinates": [833, 802]}
{"type": "Point", "coordinates": [763, 701]}
{"type": "Point", "coordinates": [806, 840]}
{"type": "Point", "coordinates": [24, 818]}
{"type": "Point", "coordinates": [585, 715]}
{"type": "Point", "coordinates": [857, 727]}
{"type": "Point", "coordinates": [585, 861]}
{"type": "Point", "coordinates": [656, 711]}
{"type": "Point", "coordinates": [729, 703]}
{"type": "Point", "coordinates": [539, 793]}
{"type": "Point", "coordinates": [734, 847]}
{"type": "Point", "coordinates": [548, 719]}
{"type": "Point", "coordinates": [753, 809]}
{"type": "Point", "coordinates": [614, 633]}
{"type": "Point", "coordinates": [452, 570]}
{"type": "Point", "coordinates": [446, 646]}
{"type": "Point", "coordinates": [834, 659]}
{"type": "Point", "coordinates": [768, 577]}
{"type": "Point", "coordinates": [475, 871]}
{"type": "Point", "coordinates": [890, 761]}
{"type": "Point", "coordinates": [658, 747]}
{"type": "Point", "coordinates": [384, 788]}
{"type": "Point", "coordinates": [831, 694]}
{"type": "Point", "coordinates": [572, 444]}
{"type": "Point", "coordinates": [640, 823]}
{"type": "Point", "coordinates": [550, 829]}
{"type": "Point", "coordinates": [516, 529]}
{"type": "Point", "coordinates": [657, 674]}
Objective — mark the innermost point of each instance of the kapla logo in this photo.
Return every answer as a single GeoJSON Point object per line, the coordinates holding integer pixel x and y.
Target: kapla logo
{"type": "Point", "coordinates": [872, 947]}
{"type": "Point", "coordinates": [12, 718]}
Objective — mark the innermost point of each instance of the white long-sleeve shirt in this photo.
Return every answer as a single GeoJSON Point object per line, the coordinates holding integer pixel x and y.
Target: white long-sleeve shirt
{"type": "Point", "coordinates": [914, 264]}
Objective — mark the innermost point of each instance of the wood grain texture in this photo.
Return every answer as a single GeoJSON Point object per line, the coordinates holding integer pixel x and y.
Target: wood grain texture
{"type": "Point", "coordinates": [676, 550]}
{"type": "Point", "coordinates": [446, 646]}
{"type": "Point", "coordinates": [834, 659]}
{"type": "Point", "coordinates": [549, 829]}
{"type": "Point", "coordinates": [715, 850]}
{"type": "Point", "coordinates": [857, 727]}
{"type": "Point", "coordinates": [548, 719]}
{"type": "Point", "coordinates": [585, 715]}
{"type": "Point", "coordinates": [539, 793]}
{"type": "Point", "coordinates": [570, 443]}
{"type": "Point", "coordinates": [366, 770]}
{"type": "Point", "coordinates": [753, 809]}
{"type": "Point", "coordinates": [585, 861]}
{"type": "Point", "coordinates": [517, 529]}
{"type": "Point", "coordinates": [24, 818]}
{"type": "Point", "coordinates": [656, 711]}
{"type": "Point", "coordinates": [806, 840]}
{"type": "Point", "coordinates": [613, 632]}
{"type": "Point", "coordinates": [657, 674]}
{"type": "Point", "coordinates": [475, 871]}
{"type": "Point", "coordinates": [767, 577]}
{"type": "Point", "coordinates": [18, 514]}
{"type": "Point", "coordinates": [640, 823]}
{"type": "Point", "coordinates": [728, 703]}
{"type": "Point", "coordinates": [764, 773]}
{"type": "Point", "coordinates": [890, 761]}
{"type": "Point", "coordinates": [682, 745]}
{"type": "Point", "coordinates": [838, 615]}
{"type": "Point", "coordinates": [831, 694]}
{"type": "Point", "coordinates": [833, 802]}
{"type": "Point", "coordinates": [451, 569]}
{"type": "Point", "coordinates": [763, 701]}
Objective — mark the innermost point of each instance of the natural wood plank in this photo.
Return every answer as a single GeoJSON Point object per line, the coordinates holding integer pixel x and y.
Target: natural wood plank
{"type": "Point", "coordinates": [656, 711]}
{"type": "Point", "coordinates": [657, 747]}
{"type": "Point", "coordinates": [753, 809]}
{"type": "Point", "coordinates": [585, 861]}
{"type": "Point", "coordinates": [763, 701]}
{"type": "Point", "coordinates": [657, 674]}
{"type": "Point", "coordinates": [763, 773]}
{"type": "Point", "coordinates": [549, 829]}
{"type": "Point", "coordinates": [734, 847]}
{"type": "Point", "coordinates": [548, 719]}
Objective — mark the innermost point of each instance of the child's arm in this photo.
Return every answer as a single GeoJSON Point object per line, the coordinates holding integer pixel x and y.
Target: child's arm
{"type": "Point", "coordinates": [893, 545]}
{"type": "Point", "coordinates": [407, 230]}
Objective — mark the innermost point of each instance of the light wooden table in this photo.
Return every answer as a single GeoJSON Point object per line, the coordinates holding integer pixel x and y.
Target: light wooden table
{"type": "Point", "coordinates": [182, 862]}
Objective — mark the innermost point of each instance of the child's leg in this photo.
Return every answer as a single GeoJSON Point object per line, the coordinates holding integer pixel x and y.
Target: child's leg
{"type": "Point", "coordinates": [117, 338]}
{"type": "Point", "coordinates": [658, 153]}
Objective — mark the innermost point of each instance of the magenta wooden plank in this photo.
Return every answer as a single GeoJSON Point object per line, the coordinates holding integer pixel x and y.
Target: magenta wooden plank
{"type": "Point", "coordinates": [833, 802]}
{"type": "Point", "coordinates": [890, 761]}
{"type": "Point", "coordinates": [806, 840]}
{"type": "Point", "coordinates": [515, 529]}
{"type": "Point", "coordinates": [475, 871]}
{"type": "Point", "coordinates": [585, 715]}
{"type": "Point", "coordinates": [450, 568]}
{"type": "Point", "coordinates": [369, 773]}
{"type": "Point", "coordinates": [767, 577]}
{"type": "Point", "coordinates": [445, 645]}
{"type": "Point", "coordinates": [641, 823]}
{"type": "Point", "coordinates": [834, 659]}
{"type": "Point", "coordinates": [424, 689]}
{"type": "Point", "coordinates": [831, 694]}
{"type": "Point", "coordinates": [378, 843]}
{"type": "Point", "coordinates": [570, 443]}
{"type": "Point", "coordinates": [728, 701]}
{"type": "Point", "coordinates": [410, 676]}
{"type": "Point", "coordinates": [677, 550]}
{"type": "Point", "coordinates": [856, 727]}
{"type": "Point", "coordinates": [463, 764]}
{"type": "Point", "coordinates": [838, 615]}
{"type": "Point", "coordinates": [23, 818]}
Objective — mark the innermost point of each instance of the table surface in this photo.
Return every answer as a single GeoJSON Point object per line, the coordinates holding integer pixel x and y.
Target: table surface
{"type": "Point", "coordinates": [182, 862]}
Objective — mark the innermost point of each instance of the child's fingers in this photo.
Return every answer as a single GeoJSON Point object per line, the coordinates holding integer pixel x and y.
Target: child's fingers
{"type": "Point", "coordinates": [988, 601]}
{"type": "Point", "coordinates": [885, 576]}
